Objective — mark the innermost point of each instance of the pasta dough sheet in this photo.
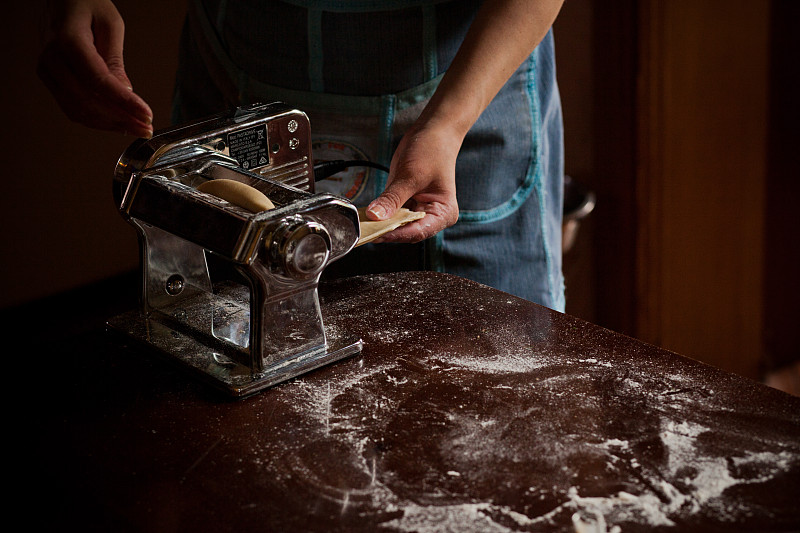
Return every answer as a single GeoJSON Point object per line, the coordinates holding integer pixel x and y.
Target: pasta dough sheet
{"type": "Point", "coordinates": [237, 193]}
{"type": "Point", "coordinates": [372, 229]}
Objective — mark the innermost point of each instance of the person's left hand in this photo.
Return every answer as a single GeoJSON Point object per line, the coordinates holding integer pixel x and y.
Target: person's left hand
{"type": "Point", "coordinates": [82, 67]}
{"type": "Point", "coordinates": [422, 177]}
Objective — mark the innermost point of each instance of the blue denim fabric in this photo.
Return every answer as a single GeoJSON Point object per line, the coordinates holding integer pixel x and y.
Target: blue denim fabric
{"type": "Point", "coordinates": [510, 189]}
{"type": "Point", "coordinates": [509, 174]}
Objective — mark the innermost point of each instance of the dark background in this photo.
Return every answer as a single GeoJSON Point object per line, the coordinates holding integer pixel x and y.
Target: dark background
{"type": "Point", "coordinates": [680, 115]}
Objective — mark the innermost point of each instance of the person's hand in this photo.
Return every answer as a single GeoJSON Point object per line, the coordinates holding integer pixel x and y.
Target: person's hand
{"type": "Point", "coordinates": [422, 173]}
{"type": "Point", "coordinates": [421, 178]}
{"type": "Point", "coordinates": [82, 67]}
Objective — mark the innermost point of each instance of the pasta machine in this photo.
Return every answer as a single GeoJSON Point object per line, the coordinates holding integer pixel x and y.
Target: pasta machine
{"type": "Point", "coordinates": [228, 292]}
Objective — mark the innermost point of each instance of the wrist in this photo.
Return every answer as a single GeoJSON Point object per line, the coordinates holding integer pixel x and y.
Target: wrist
{"type": "Point", "coordinates": [444, 132]}
{"type": "Point", "coordinates": [445, 122]}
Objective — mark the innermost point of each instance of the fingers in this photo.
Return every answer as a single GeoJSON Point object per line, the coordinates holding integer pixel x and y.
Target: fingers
{"type": "Point", "coordinates": [108, 40]}
{"type": "Point", "coordinates": [109, 91]}
{"type": "Point", "coordinates": [435, 197]}
{"type": "Point", "coordinates": [437, 218]}
{"type": "Point", "coordinates": [85, 102]}
{"type": "Point", "coordinates": [396, 194]}
{"type": "Point", "coordinates": [82, 67]}
{"type": "Point", "coordinates": [421, 178]}
{"type": "Point", "coordinates": [109, 37]}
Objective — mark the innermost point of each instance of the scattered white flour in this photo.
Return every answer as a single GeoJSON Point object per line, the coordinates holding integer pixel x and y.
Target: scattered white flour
{"type": "Point", "coordinates": [594, 524]}
{"type": "Point", "coordinates": [705, 479]}
{"type": "Point", "coordinates": [713, 474]}
{"type": "Point", "coordinates": [594, 361]}
{"type": "Point", "coordinates": [463, 518]}
{"type": "Point", "coordinates": [507, 363]}
{"type": "Point", "coordinates": [659, 490]}
{"type": "Point", "coordinates": [616, 443]}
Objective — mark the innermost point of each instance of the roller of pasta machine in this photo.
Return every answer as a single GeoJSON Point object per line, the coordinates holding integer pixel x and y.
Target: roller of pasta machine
{"type": "Point", "coordinates": [229, 292]}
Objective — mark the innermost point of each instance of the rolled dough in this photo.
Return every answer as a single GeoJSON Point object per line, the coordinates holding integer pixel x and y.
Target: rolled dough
{"type": "Point", "coordinates": [237, 193]}
{"type": "Point", "coordinates": [254, 200]}
{"type": "Point", "coordinates": [372, 229]}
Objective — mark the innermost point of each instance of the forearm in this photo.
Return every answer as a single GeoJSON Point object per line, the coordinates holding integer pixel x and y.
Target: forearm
{"type": "Point", "coordinates": [422, 173]}
{"type": "Point", "coordinates": [503, 34]}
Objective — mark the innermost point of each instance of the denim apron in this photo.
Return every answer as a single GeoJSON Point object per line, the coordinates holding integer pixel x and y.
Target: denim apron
{"type": "Point", "coordinates": [363, 70]}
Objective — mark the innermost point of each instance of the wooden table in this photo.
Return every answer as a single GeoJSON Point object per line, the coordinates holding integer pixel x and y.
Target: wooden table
{"type": "Point", "coordinates": [468, 410]}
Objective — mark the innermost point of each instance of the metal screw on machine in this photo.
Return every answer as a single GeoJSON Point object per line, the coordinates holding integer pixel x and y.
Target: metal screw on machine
{"type": "Point", "coordinates": [299, 248]}
{"type": "Point", "coordinates": [174, 285]}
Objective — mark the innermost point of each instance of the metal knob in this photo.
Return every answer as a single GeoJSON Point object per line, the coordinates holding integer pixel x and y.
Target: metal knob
{"type": "Point", "coordinates": [300, 248]}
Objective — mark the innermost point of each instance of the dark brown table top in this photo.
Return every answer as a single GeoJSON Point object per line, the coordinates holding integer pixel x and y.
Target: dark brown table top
{"type": "Point", "coordinates": [468, 410]}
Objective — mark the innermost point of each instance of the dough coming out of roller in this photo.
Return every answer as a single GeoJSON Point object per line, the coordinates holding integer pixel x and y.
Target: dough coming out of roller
{"type": "Point", "coordinates": [372, 229]}
{"type": "Point", "coordinates": [252, 199]}
{"type": "Point", "coordinates": [238, 193]}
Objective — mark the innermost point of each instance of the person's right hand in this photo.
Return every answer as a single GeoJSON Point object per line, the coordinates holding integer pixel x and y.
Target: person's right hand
{"type": "Point", "coordinates": [82, 67]}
